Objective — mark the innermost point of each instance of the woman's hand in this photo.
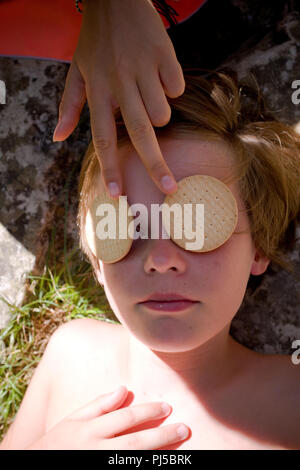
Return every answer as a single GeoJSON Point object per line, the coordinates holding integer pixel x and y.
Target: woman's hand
{"type": "Point", "coordinates": [124, 58]}
{"type": "Point", "coordinates": [95, 425]}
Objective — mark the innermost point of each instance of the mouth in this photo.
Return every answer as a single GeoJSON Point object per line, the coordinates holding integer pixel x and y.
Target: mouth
{"type": "Point", "coordinates": [171, 302]}
{"type": "Point", "coordinates": [168, 306]}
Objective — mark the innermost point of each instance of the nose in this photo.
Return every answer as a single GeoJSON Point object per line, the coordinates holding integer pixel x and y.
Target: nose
{"type": "Point", "coordinates": [161, 253]}
{"type": "Point", "coordinates": [163, 256]}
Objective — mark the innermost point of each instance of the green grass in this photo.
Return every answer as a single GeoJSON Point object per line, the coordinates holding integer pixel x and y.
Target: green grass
{"type": "Point", "coordinates": [63, 292]}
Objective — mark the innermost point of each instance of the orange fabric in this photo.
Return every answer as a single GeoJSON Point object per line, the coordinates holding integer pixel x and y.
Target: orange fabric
{"type": "Point", "coordinates": [49, 29]}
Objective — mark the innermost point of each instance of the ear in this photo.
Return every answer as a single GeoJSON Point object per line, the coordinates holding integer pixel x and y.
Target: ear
{"type": "Point", "coordinates": [260, 263]}
{"type": "Point", "coordinates": [99, 273]}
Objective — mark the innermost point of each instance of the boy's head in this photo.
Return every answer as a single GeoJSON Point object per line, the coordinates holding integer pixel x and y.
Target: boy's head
{"type": "Point", "coordinates": [217, 128]}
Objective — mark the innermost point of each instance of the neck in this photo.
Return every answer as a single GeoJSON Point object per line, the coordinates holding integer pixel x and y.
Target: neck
{"type": "Point", "coordinates": [200, 371]}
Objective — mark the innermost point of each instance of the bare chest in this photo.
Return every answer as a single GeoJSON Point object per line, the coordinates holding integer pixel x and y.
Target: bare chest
{"type": "Point", "coordinates": [242, 418]}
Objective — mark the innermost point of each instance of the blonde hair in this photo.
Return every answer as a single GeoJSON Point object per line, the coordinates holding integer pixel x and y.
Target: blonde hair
{"type": "Point", "coordinates": [267, 154]}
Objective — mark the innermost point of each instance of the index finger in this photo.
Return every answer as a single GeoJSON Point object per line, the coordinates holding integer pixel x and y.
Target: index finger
{"type": "Point", "coordinates": [143, 137]}
{"type": "Point", "coordinates": [105, 139]}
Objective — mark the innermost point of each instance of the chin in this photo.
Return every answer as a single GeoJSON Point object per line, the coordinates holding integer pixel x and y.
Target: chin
{"type": "Point", "coordinates": [172, 340]}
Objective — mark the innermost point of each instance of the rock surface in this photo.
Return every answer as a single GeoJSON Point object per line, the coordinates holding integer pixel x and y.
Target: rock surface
{"type": "Point", "coordinates": [35, 172]}
{"type": "Point", "coordinates": [38, 176]}
{"type": "Point", "coordinates": [269, 320]}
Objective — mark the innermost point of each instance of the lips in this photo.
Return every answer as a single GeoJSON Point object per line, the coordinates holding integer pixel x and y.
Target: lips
{"type": "Point", "coordinates": [166, 297]}
{"type": "Point", "coordinates": [170, 302]}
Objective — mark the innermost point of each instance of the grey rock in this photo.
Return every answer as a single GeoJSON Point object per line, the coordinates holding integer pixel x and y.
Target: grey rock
{"type": "Point", "coordinates": [34, 170]}
{"type": "Point", "coordinates": [15, 262]}
{"type": "Point", "coordinates": [269, 319]}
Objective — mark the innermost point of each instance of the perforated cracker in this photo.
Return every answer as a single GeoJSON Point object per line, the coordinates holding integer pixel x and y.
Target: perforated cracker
{"type": "Point", "coordinates": [220, 210]}
{"type": "Point", "coordinates": [109, 250]}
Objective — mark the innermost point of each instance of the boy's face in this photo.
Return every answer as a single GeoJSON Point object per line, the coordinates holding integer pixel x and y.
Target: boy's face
{"type": "Point", "coordinates": [217, 279]}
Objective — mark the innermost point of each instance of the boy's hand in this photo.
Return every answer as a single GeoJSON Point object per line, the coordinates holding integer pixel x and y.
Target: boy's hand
{"type": "Point", "coordinates": [94, 426]}
{"type": "Point", "coordinates": [124, 58]}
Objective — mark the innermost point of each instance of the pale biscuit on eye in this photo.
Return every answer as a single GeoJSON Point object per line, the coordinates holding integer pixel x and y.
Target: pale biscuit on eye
{"type": "Point", "coordinates": [220, 210]}
{"type": "Point", "coordinates": [108, 250]}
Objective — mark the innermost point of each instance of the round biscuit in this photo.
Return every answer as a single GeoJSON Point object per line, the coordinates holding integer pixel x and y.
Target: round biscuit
{"type": "Point", "coordinates": [220, 210]}
{"type": "Point", "coordinates": [109, 250]}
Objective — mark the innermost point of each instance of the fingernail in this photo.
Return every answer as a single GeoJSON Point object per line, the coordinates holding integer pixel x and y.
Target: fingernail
{"type": "Point", "coordinates": [182, 431]}
{"type": "Point", "coordinates": [113, 189]}
{"type": "Point", "coordinates": [168, 183]}
{"type": "Point", "coordinates": [58, 126]}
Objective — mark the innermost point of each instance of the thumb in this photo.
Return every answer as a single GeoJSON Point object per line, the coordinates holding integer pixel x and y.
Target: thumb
{"type": "Point", "coordinates": [71, 104]}
{"type": "Point", "coordinates": [101, 405]}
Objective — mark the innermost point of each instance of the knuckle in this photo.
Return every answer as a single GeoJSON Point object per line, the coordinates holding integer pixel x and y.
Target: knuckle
{"type": "Point", "coordinates": [122, 65]}
{"type": "Point", "coordinates": [120, 73]}
{"type": "Point", "coordinates": [101, 142]}
{"type": "Point", "coordinates": [162, 48]}
{"type": "Point", "coordinates": [140, 129]}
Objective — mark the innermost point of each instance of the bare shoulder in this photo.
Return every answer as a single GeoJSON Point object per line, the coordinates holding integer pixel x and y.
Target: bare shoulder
{"type": "Point", "coordinates": [69, 341]}
{"type": "Point", "coordinates": [84, 363]}
{"type": "Point", "coordinates": [84, 325]}
{"type": "Point", "coordinates": [281, 377]}
{"type": "Point", "coordinates": [82, 346]}
{"type": "Point", "coordinates": [73, 353]}
{"type": "Point", "coordinates": [268, 388]}
{"type": "Point", "coordinates": [282, 370]}
{"type": "Point", "coordinates": [278, 374]}
{"type": "Point", "coordinates": [287, 375]}
{"type": "Point", "coordinates": [83, 333]}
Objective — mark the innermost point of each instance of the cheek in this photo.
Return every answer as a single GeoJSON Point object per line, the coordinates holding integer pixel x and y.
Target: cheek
{"type": "Point", "coordinates": [227, 269]}
{"type": "Point", "coordinates": [117, 283]}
